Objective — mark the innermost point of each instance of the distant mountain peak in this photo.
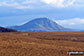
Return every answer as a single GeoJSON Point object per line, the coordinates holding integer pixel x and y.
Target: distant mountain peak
{"type": "Point", "coordinates": [42, 18]}
{"type": "Point", "coordinates": [40, 25]}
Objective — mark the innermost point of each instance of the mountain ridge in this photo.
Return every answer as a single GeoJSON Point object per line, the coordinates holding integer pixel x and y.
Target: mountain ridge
{"type": "Point", "coordinates": [3, 29]}
{"type": "Point", "coordinates": [40, 25]}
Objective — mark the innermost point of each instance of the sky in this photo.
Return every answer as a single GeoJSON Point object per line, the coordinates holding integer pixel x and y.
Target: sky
{"type": "Point", "coordinates": [68, 13]}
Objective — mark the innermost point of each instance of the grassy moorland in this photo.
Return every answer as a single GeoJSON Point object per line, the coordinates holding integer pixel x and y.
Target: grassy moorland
{"type": "Point", "coordinates": [40, 43]}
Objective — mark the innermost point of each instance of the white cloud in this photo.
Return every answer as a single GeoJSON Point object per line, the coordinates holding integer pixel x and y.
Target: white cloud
{"type": "Point", "coordinates": [15, 4]}
{"type": "Point", "coordinates": [59, 3]}
{"type": "Point", "coordinates": [25, 4]}
{"type": "Point", "coordinates": [28, 2]}
{"type": "Point", "coordinates": [8, 4]}
{"type": "Point", "coordinates": [74, 21]}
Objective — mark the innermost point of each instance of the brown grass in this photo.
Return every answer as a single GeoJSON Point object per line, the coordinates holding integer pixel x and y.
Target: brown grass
{"type": "Point", "coordinates": [40, 43]}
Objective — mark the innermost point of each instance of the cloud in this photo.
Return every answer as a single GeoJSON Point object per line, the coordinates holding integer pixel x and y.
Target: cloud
{"type": "Point", "coordinates": [27, 4]}
{"type": "Point", "coordinates": [59, 3]}
{"type": "Point", "coordinates": [15, 4]}
{"type": "Point", "coordinates": [74, 21]}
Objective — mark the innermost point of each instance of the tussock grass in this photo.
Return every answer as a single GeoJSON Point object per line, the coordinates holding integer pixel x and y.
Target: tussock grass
{"type": "Point", "coordinates": [40, 44]}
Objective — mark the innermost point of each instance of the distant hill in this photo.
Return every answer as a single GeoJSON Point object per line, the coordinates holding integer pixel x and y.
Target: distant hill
{"type": "Point", "coordinates": [40, 25]}
{"type": "Point", "coordinates": [2, 29]}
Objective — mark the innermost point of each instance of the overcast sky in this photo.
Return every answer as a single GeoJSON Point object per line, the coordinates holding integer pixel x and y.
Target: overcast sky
{"type": "Point", "coordinates": [68, 13]}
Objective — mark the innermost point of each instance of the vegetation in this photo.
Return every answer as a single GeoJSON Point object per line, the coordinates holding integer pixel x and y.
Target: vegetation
{"type": "Point", "coordinates": [40, 43]}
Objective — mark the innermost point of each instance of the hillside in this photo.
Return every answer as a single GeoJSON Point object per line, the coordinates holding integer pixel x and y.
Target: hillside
{"type": "Point", "coordinates": [40, 43]}
{"type": "Point", "coordinates": [40, 25]}
{"type": "Point", "coordinates": [2, 29]}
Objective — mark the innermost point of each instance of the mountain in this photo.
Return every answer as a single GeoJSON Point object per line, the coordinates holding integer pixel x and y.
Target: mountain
{"type": "Point", "coordinates": [40, 25]}
{"type": "Point", "coordinates": [2, 29]}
